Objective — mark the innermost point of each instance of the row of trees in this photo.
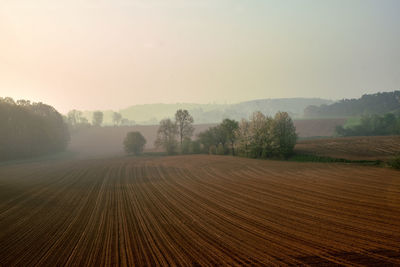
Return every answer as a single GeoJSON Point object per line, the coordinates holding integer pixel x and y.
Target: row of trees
{"type": "Point", "coordinates": [370, 125]}
{"type": "Point", "coordinates": [259, 137]}
{"type": "Point", "coordinates": [30, 129]}
{"type": "Point", "coordinates": [76, 120]}
{"type": "Point", "coordinates": [174, 136]}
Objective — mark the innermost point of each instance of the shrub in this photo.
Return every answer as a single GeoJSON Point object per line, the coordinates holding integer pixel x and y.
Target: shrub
{"type": "Point", "coordinates": [134, 143]}
{"type": "Point", "coordinates": [395, 162]}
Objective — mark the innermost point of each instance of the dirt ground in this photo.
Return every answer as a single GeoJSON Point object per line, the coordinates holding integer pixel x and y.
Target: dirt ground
{"type": "Point", "coordinates": [198, 210]}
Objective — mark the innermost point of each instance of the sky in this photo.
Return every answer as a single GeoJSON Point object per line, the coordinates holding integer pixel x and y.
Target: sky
{"type": "Point", "coordinates": [103, 54]}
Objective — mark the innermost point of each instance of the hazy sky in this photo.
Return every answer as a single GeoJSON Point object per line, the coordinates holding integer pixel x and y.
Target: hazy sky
{"type": "Point", "coordinates": [94, 54]}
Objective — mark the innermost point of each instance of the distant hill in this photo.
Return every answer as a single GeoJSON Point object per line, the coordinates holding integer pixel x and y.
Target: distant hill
{"type": "Point", "coordinates": [151, 114]}
{"type": "Point", "coordinates": [379, 103]}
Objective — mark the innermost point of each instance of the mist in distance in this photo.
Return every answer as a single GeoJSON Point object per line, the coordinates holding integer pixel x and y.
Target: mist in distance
{"type": "Point", "coordinates": [91, 55]}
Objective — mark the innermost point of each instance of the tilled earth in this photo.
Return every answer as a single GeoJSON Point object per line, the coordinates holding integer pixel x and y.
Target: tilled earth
{"type": "Point", "coordinates": [352, 148]}
{"type": "Point", "coordinates": [198, 210]}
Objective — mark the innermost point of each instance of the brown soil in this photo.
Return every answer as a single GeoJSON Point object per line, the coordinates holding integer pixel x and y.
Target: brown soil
{"type": "Point", "coordinates": [198, 210]}
{"type": "Point", "coordinates": [353, 148]}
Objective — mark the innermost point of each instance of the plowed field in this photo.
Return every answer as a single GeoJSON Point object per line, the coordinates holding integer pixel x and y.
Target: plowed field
{"type": "Point", "coordinates": [206, 210]}
{"type": "Point", "coordinates": [353, 148]}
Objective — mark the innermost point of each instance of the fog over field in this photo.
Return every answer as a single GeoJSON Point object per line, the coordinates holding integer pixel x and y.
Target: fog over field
{"type": "Point", "coordinates": [199, 133]}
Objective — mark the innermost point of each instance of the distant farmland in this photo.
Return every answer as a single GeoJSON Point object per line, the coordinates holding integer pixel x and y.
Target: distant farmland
{"type": "Point", "coordinates": [352, 148]}
{"type": "Point", "coordinates": [187, 210]}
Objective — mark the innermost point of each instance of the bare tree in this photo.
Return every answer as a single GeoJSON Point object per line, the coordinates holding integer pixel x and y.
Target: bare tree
{"type": "Point", "coordinates": [74, 117]}
{"type": "Point", "coordinates": [184, 123]}
{"type": "Point", "coordinates": [117, 118]}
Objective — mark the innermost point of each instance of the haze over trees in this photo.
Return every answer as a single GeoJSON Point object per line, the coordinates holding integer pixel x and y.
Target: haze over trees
{"type": "Point", "coordinates": [97, 118]}
{"type": "Point", "coordinates": [76, 120]}
{"type": "Point", "coordinates": [368, 104]}
{"type": "Point", "coordinates": [229, 129]}
{"type": "Point", "coordinates": [117, 118]}
{"type": "Point", "coordinates": [284, 134]}
{"type": "Point", "coordinates": [166, 136]}
{"type": "Point", "coordinates": [134, 143]}
{"type": "Point", "coordinates": [184, 122]}
{"type": "Point", "coordinates": [370, 125]}
{"type": "Point", "coordinates": [182, 129]}
{"type": "Point", "coordinates": [260, 137]}
{"type": "Point", "coordinates": [75, 117]}
{"type": "Point", "coordinates": [30, 129]}
{"type": "Point", "coordinates": [151, 114]}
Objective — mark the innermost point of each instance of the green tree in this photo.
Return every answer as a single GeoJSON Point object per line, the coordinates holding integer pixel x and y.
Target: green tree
{"type": "Point", "coordinates": [30, 129]}
{"type": "Point", "coordinates": [195, 147]}
{"type": "Point", "coordinates": [284, 134]}
{"type": "Point", "coordinates": [372, 125]}
{"type": "Point", "coordinates": [260, 145]}
{"type": "Point", "coordinates": [259, 137]}
{"type": "Point", "coordinates": [186, 146]}
{"type": "Point", "coordinates": [220, 150]}
{"type": "Point", "coordinates": [134, 143]}
{"type": "Point", "coordinates": [97, 118]}
{"type": "Point", "coordinates": [229, 128]}
{"type": "Point", "coordinates": [166, 136]}
{"type": "Point", "coordinates": [208, 139]}
{"type": "Point", "coordinates": [243, 137]}
{"type": "Point", "coordinates": [184, 122]}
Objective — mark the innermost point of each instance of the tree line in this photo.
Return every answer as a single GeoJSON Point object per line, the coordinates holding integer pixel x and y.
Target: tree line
{"type": "Point", "coordinates": [77, 121]}
{"type": "Point", "coordinates": [30, 129]}
{"type": "Point", "coordinates": [368, 104]}
{"type": "Point", "coordinates": [259, 137]}
{"type": "Point", "coordinates": [372, 125]}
